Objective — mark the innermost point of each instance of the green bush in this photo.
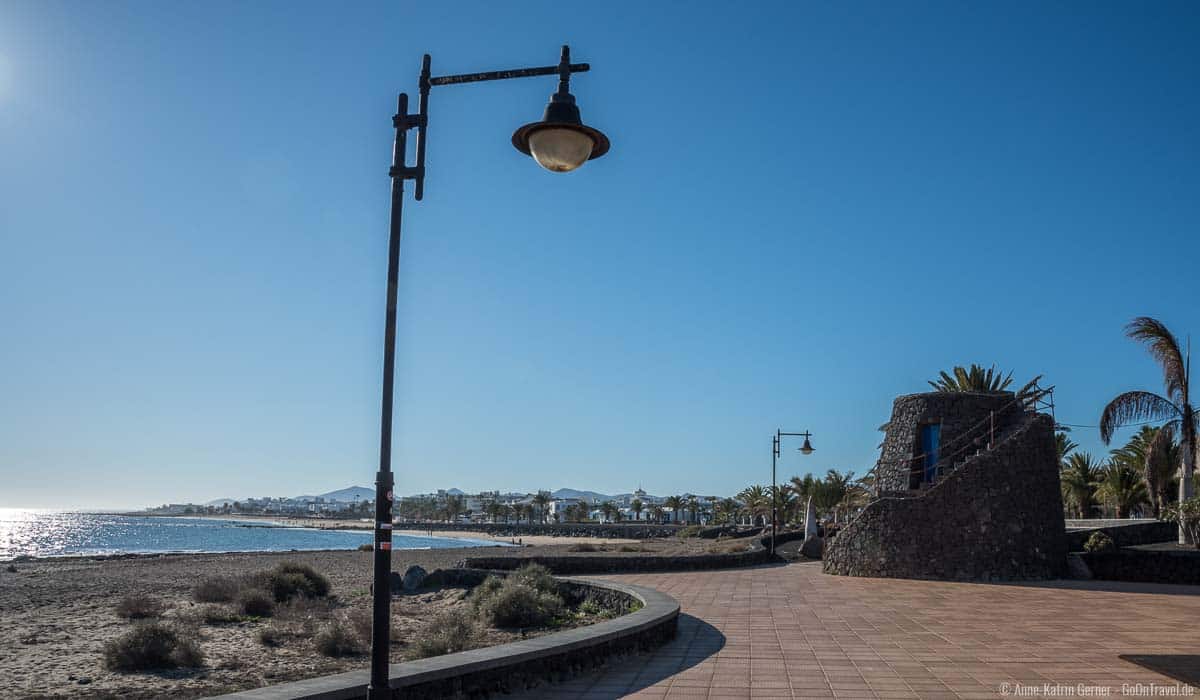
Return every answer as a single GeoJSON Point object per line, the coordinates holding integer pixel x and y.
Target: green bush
{"type": "Point", "coordinates": [255, 603]}
{"type": "Point", "coordinates": [290, 580]}
{"type": "Point", "coordinates": [481, 593]}
{"type": "Point", "coordinates": [517, 604]}
{"type": "Point", "coordinates": [217, 589]}
{"type": "Point", "coordinates": [139, 608]}
{"type": "Point", "coordinates": [151, 646]}
{"type": "Point", "coordinates": [336, 638]}
{"type": "Point", "coordinates": [1187, 515]}
{"type": "Point", "coordinates": [689, 531]}
{"type": "Point", "coordinates": [11, 568]}
{"type": "Point", "coordinates": [446, 633]}
{"type": "Point", "coordinates": [366, 547]}
{"type": "Point", "coordinates": [1099, 542]}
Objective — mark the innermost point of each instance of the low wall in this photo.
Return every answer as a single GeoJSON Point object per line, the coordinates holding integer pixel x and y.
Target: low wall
{"type": "Point", "coordinates": [1145, 565]}
{"type": "Point", "coordinates": [1124, 534]}
{"type": "Point", "coordinates": [630, 531]}
{"type": "Point", "coordinates": [507, 667]}
{"type": "Point", "coordinates": [601, 564]}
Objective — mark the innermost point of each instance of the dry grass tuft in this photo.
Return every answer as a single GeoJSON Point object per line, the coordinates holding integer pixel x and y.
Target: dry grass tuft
{"type": "Point", "coordinates": [134, 607]}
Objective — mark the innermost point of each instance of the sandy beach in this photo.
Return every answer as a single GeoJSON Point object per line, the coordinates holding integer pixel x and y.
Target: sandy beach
{"type": "Point", "coordinates": [57, 614]}
{"type": "Point", "coordinates": [357, 524]}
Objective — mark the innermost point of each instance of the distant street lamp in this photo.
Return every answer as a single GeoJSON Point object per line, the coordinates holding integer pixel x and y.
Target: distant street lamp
{"type": "Point", "coordinates": [776, 441]}
{"type": "Point", "coordinates": [560, 142]}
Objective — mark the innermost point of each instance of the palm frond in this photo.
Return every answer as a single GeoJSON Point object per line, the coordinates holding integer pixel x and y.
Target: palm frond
{"type": "Point", "coordinates": [1134, 406]}
{"type": "Point", "coordinates": [1164, 348]}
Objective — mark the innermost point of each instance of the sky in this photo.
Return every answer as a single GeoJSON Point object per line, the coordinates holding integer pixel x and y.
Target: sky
{"type": "Point", "coordinates": [808, 209]}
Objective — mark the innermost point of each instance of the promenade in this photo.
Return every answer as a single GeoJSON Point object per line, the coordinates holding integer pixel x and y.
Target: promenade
{"type": "Point", "coordinates": [790, 631]}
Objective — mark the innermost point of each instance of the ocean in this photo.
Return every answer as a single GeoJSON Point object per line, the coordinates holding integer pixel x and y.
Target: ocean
{"type": "Point", "coordinates": [41, 533]}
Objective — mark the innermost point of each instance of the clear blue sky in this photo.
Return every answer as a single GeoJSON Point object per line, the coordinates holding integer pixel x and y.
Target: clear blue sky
{"type": "Point", "coordinates": [807, 210]}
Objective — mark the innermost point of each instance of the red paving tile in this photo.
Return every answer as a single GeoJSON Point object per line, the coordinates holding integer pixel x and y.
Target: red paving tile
{"type": "Point", "coordinates": [794, 632]}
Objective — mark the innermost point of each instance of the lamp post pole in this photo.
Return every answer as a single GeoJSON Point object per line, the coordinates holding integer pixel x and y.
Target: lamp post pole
{"type": "Point", "coordinates": [776, 441]}
{"type": "Point", "coordinates": [560, 142]}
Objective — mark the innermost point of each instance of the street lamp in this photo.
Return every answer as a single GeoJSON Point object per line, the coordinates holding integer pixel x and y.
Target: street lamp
{"type": "Point", "coordinates": [776, 442]}
{"type": "Point", "coordinates": [560, 142]}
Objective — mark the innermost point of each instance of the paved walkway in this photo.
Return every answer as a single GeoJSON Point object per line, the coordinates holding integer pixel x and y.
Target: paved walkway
{"type": "Point", "coordinates": [790, 631]}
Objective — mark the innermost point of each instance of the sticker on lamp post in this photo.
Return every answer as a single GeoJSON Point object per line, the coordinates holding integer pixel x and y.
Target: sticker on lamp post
{"type": "Point", "coordinates": [385, 546]}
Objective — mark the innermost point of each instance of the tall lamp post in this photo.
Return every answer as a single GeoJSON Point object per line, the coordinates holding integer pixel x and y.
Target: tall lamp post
{"type": "Point", "coordinates": [560, 142]}
{"type": "Point", "coordinates": [776, 441]}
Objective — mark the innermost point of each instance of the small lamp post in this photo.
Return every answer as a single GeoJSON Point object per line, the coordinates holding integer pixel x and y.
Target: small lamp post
{"type": "Point", "coordinates": [776, 442]}
{"type": "Point", "coordinates": [560, 142]}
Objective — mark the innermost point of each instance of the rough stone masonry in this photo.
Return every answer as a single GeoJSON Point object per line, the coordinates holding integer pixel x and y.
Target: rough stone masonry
{"type": "Point", "coordinates": [991, 515]}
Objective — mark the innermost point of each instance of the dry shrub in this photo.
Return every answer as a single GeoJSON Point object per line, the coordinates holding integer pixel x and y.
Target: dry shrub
{"type": "Point", "coordinates": [366, 547]}
{"type": "Point", "coordinates": [151, 646]}
{"type": "Point", "coordinates": [516, 604]}
{"type": "Point", "coordinates": [214, 615]}
{"type": "Point", "coordinates": [291, 580]}
{"type": "Point", "coordinates": [630, 548]}
{"type": "Point", "coordinates": [536, 577]}
{"type": "Point", "coordinates": [447, 633]}
{"type": "Point", "coordinates": [728, 547]}
{"type": "Point", "coordinates": [217, 589]}
{"type": "Point", "coordinates": [484, 591]}
{"type": "Point", "coordinates": [582, 547]}
{"type": "Point", "coordinates": [140, 607]}
{"type": "Point", "coordinates": [270, 637]}
{"type": "Point", "coordinates": [255, 603]}
{"type": "Point", "coordinates": [338, 638]}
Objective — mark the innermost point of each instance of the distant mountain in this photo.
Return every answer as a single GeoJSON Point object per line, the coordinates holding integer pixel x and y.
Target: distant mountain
{"type": "Point", "coordinates": [586, 495]}
{"type": "Point", "coordinates": [455, 492]}
{"type": "Point", "coordinates": [348, 494]}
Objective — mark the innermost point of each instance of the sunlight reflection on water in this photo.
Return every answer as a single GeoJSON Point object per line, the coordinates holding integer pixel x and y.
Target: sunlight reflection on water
{"type": "Point", "coordinates": [41, 533]}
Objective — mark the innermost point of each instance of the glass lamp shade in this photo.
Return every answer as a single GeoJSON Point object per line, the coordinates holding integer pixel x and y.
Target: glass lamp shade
{"type": "Point", "coordinates": [806, 448]}
{"type": "Point", "coordinates": [560, 149]}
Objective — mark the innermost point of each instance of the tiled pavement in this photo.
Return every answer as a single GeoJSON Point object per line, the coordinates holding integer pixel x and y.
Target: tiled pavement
{"type": "Point", "coordinates": [789, 631]}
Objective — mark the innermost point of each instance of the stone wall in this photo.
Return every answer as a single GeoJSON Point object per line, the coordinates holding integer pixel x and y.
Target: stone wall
{"type": "Point", "coordinates": [998, 516]}
{"type": "Point", "coordinates": [1126, 535]}
{"type": "Point", "coordinates": [1145, 565]}
{"type": "Point", "coordinates": [629, 531]}
{"type": "Point", "coordinates": [957, 413]}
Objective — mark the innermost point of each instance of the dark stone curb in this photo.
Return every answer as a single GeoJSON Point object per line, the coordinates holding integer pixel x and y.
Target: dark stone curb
{"type": "Point", "coordinates": [1125, 534]}
{"type": "Point", "coordinates": [508, 666]}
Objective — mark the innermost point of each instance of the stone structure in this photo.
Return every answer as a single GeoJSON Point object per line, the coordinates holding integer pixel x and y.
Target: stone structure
{"type": "Point", "coordinates": [968, 513]}
{"type": "Point", "coordinates": [964, 423]}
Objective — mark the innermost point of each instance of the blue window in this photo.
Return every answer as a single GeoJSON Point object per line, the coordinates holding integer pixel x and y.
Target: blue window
{"type": "Point", "coordinates": [930, 437]}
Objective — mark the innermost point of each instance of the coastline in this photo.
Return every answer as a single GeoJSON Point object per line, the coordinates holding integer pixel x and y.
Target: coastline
{"type": "Point", "coordinates": [354, 524]}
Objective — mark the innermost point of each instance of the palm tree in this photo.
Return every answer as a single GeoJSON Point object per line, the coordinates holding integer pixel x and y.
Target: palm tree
{"type": "Point", "coordinates": [1064, 445]}
{"type": "Point", "coordinates": [1175, 408]}
{"type": "Point", "coordinates": [636, 507]}
{"type": "Point", "coordinates": [608, 509]}
{"type": "Point", "coordinates": [986, 381]}
{"type": "Point", "coordinates": [1080, 475]}
{"type": "Point", "coordinates": [726, 510]}
{"type": "Point", "coordinates": [657, 512]}
{"type": "Point", "coordinates": [1122, 487]}
{"type": "Point", "coordinates": [1155, 455]}
{"type": "Point", "coordinates": [693, 506]}
{"type": "Point", "coordinates": [803, 488]}
{"type": "Point", "coordinates": [757, 501]}
{"type": "Point", "coordinates": [673, 504]}
{"type": "Point", "coordinates": [541, 500]}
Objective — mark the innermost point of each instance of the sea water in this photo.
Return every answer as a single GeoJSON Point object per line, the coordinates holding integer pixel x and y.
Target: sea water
{"type": "Point", "coordinates": [43, 533]}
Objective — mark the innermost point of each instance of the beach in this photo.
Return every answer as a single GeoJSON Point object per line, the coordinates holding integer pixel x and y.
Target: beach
{"type": "Point", "coordinates": [358, 524]}
{"type": "Point", "coordinates": [58, 613]}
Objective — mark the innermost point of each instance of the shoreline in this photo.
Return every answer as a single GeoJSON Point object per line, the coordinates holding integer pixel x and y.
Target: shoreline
{"type": "Point", "coordinates": [461, 535]}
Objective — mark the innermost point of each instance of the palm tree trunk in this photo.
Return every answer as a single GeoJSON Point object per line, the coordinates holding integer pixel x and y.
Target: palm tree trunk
{"type": "Point", "coordinates": [1188, 445]}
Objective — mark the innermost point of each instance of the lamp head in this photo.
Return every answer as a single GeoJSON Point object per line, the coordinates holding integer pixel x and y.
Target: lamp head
{"type": "Point", "coordinates": [807, 447]}
{"type": "Point", "coordinates": [560, 142]}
